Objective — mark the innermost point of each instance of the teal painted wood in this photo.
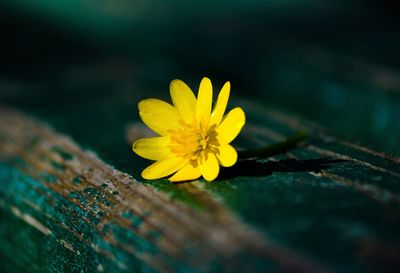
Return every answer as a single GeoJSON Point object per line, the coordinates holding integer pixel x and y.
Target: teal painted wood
{"type": "Point", "coordinates": [33, 242]}
{"type": "Point", "coordinates": [79, 204]}
{"type": "Point", "coordinates": [332, 204]}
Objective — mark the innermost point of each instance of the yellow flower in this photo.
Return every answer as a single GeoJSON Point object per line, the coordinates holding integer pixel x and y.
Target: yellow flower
{"type": "Point", "coordinates": [193, 140]}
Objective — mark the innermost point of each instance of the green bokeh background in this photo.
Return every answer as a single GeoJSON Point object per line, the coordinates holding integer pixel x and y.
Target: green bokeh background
{"type": "Point", "coordinates": [332, 62]}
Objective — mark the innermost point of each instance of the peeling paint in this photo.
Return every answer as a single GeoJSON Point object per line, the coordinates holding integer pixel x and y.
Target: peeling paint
{"type": "Point", "coordinates": [31, 221]}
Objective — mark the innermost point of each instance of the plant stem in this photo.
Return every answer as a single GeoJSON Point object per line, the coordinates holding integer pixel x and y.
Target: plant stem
{"type": "Point", "coordinates": [275, 149]}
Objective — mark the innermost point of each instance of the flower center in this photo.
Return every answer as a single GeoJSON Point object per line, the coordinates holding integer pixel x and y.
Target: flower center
{"type": "Point", "coordinates": [194, 141]}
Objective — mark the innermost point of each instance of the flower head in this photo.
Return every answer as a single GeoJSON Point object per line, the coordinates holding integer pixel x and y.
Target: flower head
{"type": "Point", "coordinates": [193, 138]}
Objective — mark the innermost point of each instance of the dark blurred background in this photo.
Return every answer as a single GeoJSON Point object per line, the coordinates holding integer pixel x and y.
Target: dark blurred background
{"type": "Point", "coordinates": [335, 63]}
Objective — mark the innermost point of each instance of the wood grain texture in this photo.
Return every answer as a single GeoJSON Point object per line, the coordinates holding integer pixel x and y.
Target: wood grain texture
{"type": "Point", "coordinates": [77, 202]}
{"type": "Point", "coordinates": [326, 206]}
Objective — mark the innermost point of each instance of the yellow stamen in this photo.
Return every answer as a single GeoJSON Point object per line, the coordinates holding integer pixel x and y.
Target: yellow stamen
{"type": "Point", "coordinates": [193, 141]}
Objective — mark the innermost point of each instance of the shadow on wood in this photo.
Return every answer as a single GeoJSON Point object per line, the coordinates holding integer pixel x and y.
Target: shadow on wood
{"type": "Point", "coordinates": [256, 167]}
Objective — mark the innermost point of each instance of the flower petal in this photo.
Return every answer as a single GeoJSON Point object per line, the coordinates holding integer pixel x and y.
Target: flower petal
{"type": "Point", "coordinates": [227, 155]}
{"type": "Point", "coordinates": [184, 99]}
{"type": "Point", "coordinates": [159, 116]}
{"type": "Point", "coordinates": [220, 106]}
{"type": "Point", "coordinates": [204, 101]}
{"type": "Point", "coordinates": [210, 167]}
{"type": "Point", "coordinates": [231, 125]}
{"type": "Point", "coordinates": [163, 167]}
{"type": "Point", "coordinates": [153, 148]}
{"type": "Point", "coordinates": [186, 173]}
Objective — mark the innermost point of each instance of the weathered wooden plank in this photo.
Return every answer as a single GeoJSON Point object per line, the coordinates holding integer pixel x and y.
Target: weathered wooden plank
{"type": "Point", "coordinates": [82, 208]}
{"type": "Point", "coordinates": [329, 205]}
